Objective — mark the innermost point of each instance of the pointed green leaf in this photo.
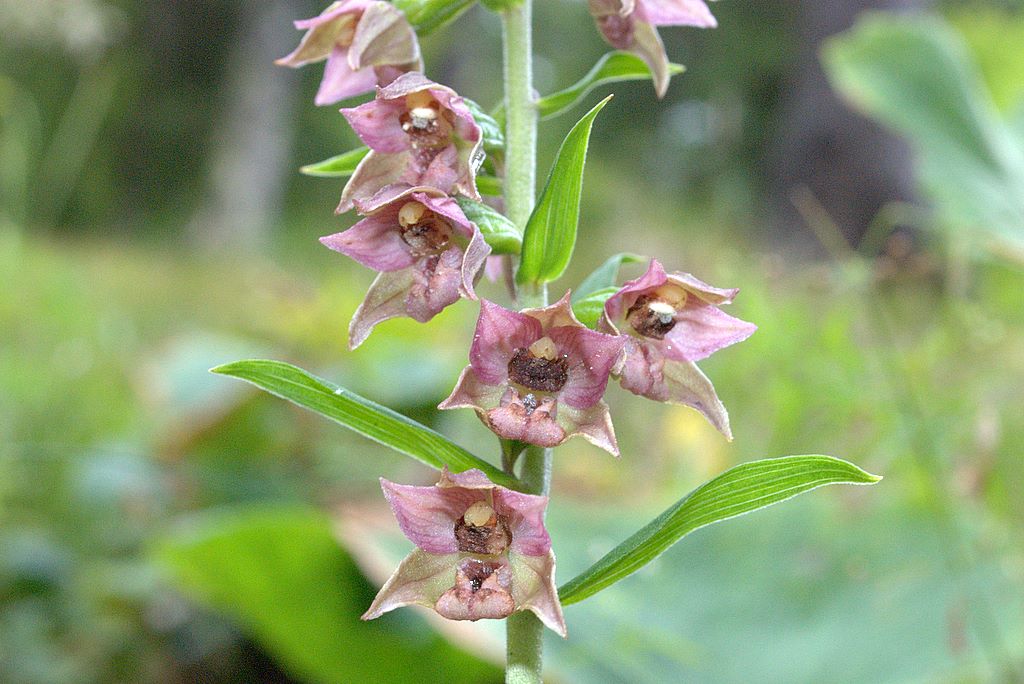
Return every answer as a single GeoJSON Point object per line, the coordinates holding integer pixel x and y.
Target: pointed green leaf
{"type": "Point", "coordinates": [281, 576]}
{"type": "Point", "coordinates": [493, 135]}
{"type": "Point", "coordinates": [737, 491]}
{"type": "Point", "coordinates": [588, 309]}
{"type": "Point", "coordinates": [499, 232]}
{"type": "Point", "coordinates": [550, 234]}
{"type": "Point", "coordinates": [604, 276]}
{"type": "Point", "coordinates": [337, 167]}
{"type": "Point", "coordinates": [369, 419]}
{"type": "Point", "coordinates": [611, 68]}
{"type": "Point", "coordinates": [430, 15]}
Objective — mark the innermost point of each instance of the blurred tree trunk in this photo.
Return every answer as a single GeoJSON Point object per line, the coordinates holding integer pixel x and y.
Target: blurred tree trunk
{"type": "Point", "coordinates": [849, 164]}
{"type": "Point", "coordinates": [251, 149]}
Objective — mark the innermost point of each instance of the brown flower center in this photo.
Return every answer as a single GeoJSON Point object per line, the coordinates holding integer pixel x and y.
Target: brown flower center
{"type": "Point", "coordinates": [651, 316]}
{"type": "Point", "coordinates": [617, 30]}
{"type": "Point", "coordinates": [481, 530]}
{"type": "Point", "coordinates": [425, 232]}
{"type": "Point", "coordinates": [539, 367]}
{"type": "Point", "coordinates": [424, 121]}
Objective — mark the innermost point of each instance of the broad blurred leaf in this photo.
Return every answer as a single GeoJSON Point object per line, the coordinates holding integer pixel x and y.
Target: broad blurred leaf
{"type": "Point", "coordinates": [369, 419]}
{"type": "Point", "coordinates": [605, 275]}
{"type": "Point", "coordinates": [588, 309]}
{"type": "Point", "coordinates": [493, 135]}
{"type": "Point", "coordinates": [429, 15]}
{"type": "Point", "coordinates": [611, 68]}
{"type": "Point", "coordinates": [914, 74]}
{"type": "Point", "coordinates": [501, 234]}
{"type": "Point", "coordinates": [281, 575]}
{"type": "Point", "coordinates": [737, 491]}
{"type": "Point", "coordinates": [336, 167]}
{"type": "Point", "coordinates": [550, 234]}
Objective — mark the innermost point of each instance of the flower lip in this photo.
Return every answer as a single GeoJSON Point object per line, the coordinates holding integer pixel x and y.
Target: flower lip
{"type": "Point", "coordinates": [651, 316]}
{"type": "Point", "coordinates": [425, 232]}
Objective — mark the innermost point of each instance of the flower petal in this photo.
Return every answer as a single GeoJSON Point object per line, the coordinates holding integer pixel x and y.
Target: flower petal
{"type": "Point", "coordinates": [375, 242]}
{"type": "Point", "coordinates": [618, 304]}
{"type": "Point", "coordinates": [340, 81]}
{"type": "Point", "coordinates": [499, 333]}
{"type": "Point", "coordinates": [374, 172]}
{"type": "Point", "coordinates": [377, 124]}
{"type": "Point", "coordinates": [436, 283]}
{"type": "Point", "coordinates": [591, 356]}
{"type": "Point", "coordinates": [333, 26]}
{"type": "Point", "coordinates": [701, 331]}
{"type": "Point", "coordinates": [473, 261]}
{"type": "Point", "coordinates": [385, 299]}
{"type": "Point", "coordinates": [594, 424]}
{"type": "Point", "coordinates": [420, 579]}
{"type": "Point", "coordinates": [471, 392]}
{"type": "Point", "coordinates": [648, 46]}
{"type": "Point", "coordinates": [675, 13]}
{"type": "Point", "coordinates": [533, 588]}
{"type": "Point", "coordinates": [555, 315]}
{"type": "Point", "coordinates": [534, 423]}
{"type": "Point", "coordinates": [427, 515]}
{"type": "Point", "coordinates": [697, 287]}
{"type": "Point", "coordinates": [525, 514]}
{"type": "Point", "coordinates": [383, 37]}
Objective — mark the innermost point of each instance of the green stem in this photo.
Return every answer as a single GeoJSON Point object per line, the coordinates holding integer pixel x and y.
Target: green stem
{"type": "Point", "coordinates": [524, 630]}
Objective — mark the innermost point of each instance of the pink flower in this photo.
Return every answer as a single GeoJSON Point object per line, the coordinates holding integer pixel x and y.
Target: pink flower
{"type": "Point", "coordinates": [538, 376]}
{"type": "Point", "coordinates": [630, 25]}
{"type": "Point", "coordinates": [669, 321]}
{"type": "Point", "coordinates": [482, 551]}
{"type": "Point", "coordinates": [365, 43]}
{"type": "Point", "coordinates": [429, 254]}
{"type": "Point", "coordinates": [419, 133]}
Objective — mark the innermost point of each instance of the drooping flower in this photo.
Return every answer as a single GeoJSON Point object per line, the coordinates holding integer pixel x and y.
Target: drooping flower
{"type": "Point", "coordinates": [482, 551]}
{"type": "Point", "coordinates": [366, 44]}
{"type": "Point", "coordinates": [429, 254]}
{"type": "Point", "coordinates": [537, 376]}
{"type": "Point", "coordinates": [419, 133]}
{"type": "Point", "coordinates": [630, 25]}
{"type": "Point", "coordinates": [669, 321]}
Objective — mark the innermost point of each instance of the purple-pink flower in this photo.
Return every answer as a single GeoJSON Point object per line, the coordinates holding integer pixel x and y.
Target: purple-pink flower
{"type": "Point", "coordinates": [419, 133]}
{"type": "Point", "coordinates": [429, 254]}
{"type": "Point", "coordinates": [482, 551]}
{"type": "Point", "coordinates": [366, 44]}
{"type": "Point", "coordinates": [630, 25]}
{"type": "Point", "coordinates": [669, 321]}
{"type": "Point", "coordinates": [537, 376]}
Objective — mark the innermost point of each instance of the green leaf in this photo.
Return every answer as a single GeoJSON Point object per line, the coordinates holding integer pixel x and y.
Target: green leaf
{"type": "Point", "coordinates": [337, 167]}
{"type": "Point", "coordinates": [493, 135]}
{"type": "Point", "coordinates": [499, 232]}
{"type": "Point", "coordinates": [588, 309]}
{"type": "Point", "coordinates": [611, 68]}
{"type": "Point", "coordinates": [282, 577]}
{"type": "Point", "coordinates": [550, 233]}
{"type": "Point", "coordinates": [369, 419]}
{"type": "Point", "coordinates": [500, 5]}
{"type": "Point", "coordinates": [737, 491]}
{"type": "Point", "coordinates": [489, 185]}
{"type": "Point", "coordinates": [429, 15]}
{"type": "Point", "coordinates": [604, 276]}
{"type": "Point", "coordinates": [915, 75]}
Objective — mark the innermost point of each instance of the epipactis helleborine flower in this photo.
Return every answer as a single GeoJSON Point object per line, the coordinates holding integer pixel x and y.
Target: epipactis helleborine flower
{"type": "Point", "coordinates": [419, 133]}
{"type": "Point", "coordinates": [670, 320]}
{"type": "Point", "coordinates": [630, 25]}
{"type": "Point", "coordinates": [429, 254]}
{"type": "Point", "coordinates": [366, 44]}
{"type": "Point", "coordinates": [482, 551]}
{"type": "Point", "coordinates": [537, 376]}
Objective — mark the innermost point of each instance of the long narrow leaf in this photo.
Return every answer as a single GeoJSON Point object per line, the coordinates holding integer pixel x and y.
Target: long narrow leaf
{"type": "Point", "coordinates": [611, 68]}
{"type": "Point", "coordinates": [737, 491]}
{"type": "Point", "coordinates": [369, 419]}
{"type": "Point", "coordinates": [550, 234]}
{"type": "Point", "coordinates": [338, 166]}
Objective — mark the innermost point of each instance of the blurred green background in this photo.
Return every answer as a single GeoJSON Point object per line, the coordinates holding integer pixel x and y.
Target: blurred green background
{"type": "Point", "coordinates": [160, 524]}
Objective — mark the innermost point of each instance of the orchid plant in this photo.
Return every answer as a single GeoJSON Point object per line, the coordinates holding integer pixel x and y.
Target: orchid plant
{"type": "Point", "coordinates": [446, 192]}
